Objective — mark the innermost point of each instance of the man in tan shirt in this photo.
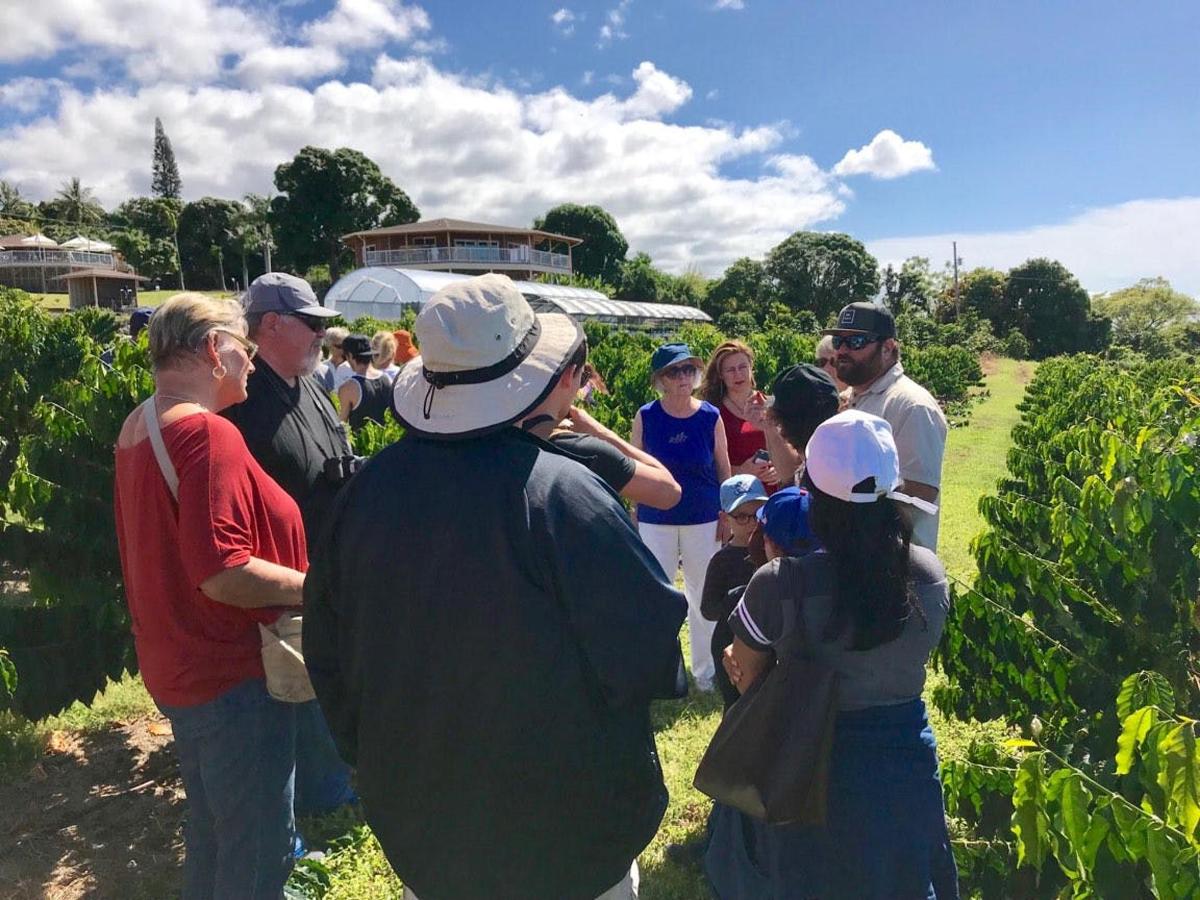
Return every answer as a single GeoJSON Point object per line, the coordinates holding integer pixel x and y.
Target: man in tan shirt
{"type": "Point", "coordinates": [868, 359]}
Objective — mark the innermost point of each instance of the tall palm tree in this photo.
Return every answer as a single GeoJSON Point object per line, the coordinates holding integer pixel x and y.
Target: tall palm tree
{"type": "Point", "coordinates": [258, 220]}
{"type": "Point", "coordinates": [12, 204]}
{"type": "Point", "coordinates": [77, 204]}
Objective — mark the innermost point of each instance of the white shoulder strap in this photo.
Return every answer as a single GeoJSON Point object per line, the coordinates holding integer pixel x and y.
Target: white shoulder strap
{"type": "Point", "coordinates": [150, 417]}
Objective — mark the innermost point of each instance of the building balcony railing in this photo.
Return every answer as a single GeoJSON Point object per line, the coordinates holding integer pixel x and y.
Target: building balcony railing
{"type": "Point", "coordinates": [500, 256]}
{"type": "Point", "coordinates": [84, 259]}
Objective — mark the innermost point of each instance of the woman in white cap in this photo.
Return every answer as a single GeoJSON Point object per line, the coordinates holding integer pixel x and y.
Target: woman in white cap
{"type": "Point", "coordinates": [871, 606]}
{"type": "Point", "coordinates": [686, 435]}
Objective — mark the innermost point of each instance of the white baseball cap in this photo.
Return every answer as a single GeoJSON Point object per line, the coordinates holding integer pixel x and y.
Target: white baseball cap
{"type": "Point", "coordinates": [852, 456]}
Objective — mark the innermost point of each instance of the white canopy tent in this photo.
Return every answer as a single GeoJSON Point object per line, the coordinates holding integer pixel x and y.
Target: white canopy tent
{"type": "Point", "coordinates": [38, 240]}
{"type": "Point", "coordinates": [79, 242]}
{"type": "Point", "coordinates": [384, 292]}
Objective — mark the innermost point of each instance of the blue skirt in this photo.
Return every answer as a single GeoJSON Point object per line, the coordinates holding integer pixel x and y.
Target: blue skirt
{"type": "Point", "coordinates": [885, 832]}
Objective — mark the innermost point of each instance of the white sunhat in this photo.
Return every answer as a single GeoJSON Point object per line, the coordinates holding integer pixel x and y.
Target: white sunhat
{"type": "Point", "coordinates": [486, 359]}
{"type": "Point", "coordinates": [852, 456]}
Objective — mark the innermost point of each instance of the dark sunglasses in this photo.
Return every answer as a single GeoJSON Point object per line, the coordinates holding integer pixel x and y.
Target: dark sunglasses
{"type": "Point", "coordinates": [854, 341]}
{"type": "Point", "coordinates": [675, 371]}
{"type": "Point", "coordinates": [312, 323]}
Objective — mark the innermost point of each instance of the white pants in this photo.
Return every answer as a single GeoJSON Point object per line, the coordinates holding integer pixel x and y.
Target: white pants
{"type": "Point", "coordinates": [625, 889]}
{"type": "Point", "coordinates": [694, 545]}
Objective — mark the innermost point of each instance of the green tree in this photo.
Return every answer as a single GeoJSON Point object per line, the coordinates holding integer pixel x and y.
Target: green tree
{"type": "Point", "coordinates": [165, 182]}
{"type": "Point", "coordinates": [325, 194]}
{"type": "Point", "coordinates": [1052, 308]}
{"type": "Point", "coordinates": [983, 291]}
{"type": "Point", "coordinates": [1142, 313]}
{"type": "Point", "coordinates": [640, 280]}
{"type": "Point", "coordinates": [741, 289]}
{"type": "Point", "coordinates": [603, 250]}
{"type": "Point", "coordinates": [909, 289]}
{"type": "Point", "coordinates": [204, 224]}
{"type": "Point", "coordinates": [821, 272]}
{"type": "Point", "coordinates": [143, 231]}
{"type": "Point", "coordinates": [12, 204]}
{"type": "Point", "coordinates": [76, 205]}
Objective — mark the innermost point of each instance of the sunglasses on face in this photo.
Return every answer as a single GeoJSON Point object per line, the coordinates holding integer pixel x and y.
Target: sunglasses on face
{"type": "Point", "coordinates": [248, 345]}
{"type": "Point", "coordinates": [824, 361]}
{"type": "Point", "coordinates": [312, 323]}
{"type": "Point", "coordinates": [675, 371]}
{"type": "Point", "coordinates": [853, 341]}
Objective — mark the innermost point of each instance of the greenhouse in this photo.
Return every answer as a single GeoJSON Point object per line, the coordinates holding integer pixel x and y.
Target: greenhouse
{"type": "Point", "coordinates": [384, 292]}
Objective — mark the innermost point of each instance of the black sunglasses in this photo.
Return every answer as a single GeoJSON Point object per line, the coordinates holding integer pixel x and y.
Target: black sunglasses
{"type": "Point", "coordinates": [853, 341]}
{"type": "Point", "coordinates": [312, 323]}
{"type": "Point", "coordinates": [675, 371]}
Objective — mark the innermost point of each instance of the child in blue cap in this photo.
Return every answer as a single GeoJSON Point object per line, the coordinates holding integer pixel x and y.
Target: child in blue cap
{"type": "Point", "coordinates": [730, 568]}
{"type": "Point", "coordinates": [784, 521]}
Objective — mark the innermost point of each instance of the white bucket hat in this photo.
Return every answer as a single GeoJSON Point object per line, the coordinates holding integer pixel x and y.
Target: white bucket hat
{"type": "Point", "coordinates": [486, 359]}
{"type": "Point", "coordinates": [852, 456]}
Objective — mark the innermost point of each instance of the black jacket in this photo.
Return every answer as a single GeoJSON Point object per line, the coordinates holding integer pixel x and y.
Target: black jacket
{"type": "Point", "coordinates": [487, 661]}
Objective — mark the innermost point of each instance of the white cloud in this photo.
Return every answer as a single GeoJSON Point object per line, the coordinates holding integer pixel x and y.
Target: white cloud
{"type": "Point", "coordinates": [564, 20]}
{"type": "Point", "coordinates": [586, 78]}
{"type": "Point", "coordinates": [460, 145]}
{"type": "Point", "coordinates": [156, 40]}
{"type": "Point", "coordinates": [887, 156]}
{"type": "Point", "coordinates": [729, 4]}
{"type": "Point", "coordinates": [272, 65]}
{"type": "Point", "coordinates": [613, 28]}
{"type": "Point", "coordinates": [367, 23]}
{"type": "Point", "coordinates": [28, 95]}
{"type": "Point", "coordinates": [713, 94]}
{"type": "Point", "coordinates": [1106, 248]}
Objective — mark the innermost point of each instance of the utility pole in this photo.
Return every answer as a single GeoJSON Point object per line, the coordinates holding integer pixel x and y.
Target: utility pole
{"type": "Point", "coordinates": [957, 304]}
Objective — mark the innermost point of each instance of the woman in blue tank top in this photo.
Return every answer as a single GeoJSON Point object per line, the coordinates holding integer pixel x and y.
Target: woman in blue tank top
{"type": "Point", "coordinates": [686, 436]}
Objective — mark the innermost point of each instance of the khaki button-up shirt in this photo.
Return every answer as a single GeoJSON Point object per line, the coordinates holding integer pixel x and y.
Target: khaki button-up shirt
{"type": "Point", "coordinates": [919, 428]}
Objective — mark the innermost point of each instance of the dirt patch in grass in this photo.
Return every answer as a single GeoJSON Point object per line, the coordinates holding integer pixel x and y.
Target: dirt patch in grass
{"type": "Point", "coordinates": [98, 816]}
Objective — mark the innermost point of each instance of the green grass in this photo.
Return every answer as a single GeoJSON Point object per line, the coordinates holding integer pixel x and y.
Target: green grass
{"type": "Point", "coordinates": [356, 867]}
{"type": "Point", "coordinates": [59, 302]}
{"type": "Point", "coordinates": [975, 459]}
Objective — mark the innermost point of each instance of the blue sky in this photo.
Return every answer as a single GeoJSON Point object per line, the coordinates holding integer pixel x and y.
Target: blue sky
{"type": "Point", "coordinates": [1019, 129]}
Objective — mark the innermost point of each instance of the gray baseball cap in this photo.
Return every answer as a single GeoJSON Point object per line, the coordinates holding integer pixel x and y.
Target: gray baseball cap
{"type": "Point", "coordinates": [283, 293]}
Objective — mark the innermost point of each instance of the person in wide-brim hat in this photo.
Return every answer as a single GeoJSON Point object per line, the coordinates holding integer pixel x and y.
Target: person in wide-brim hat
{"type": "Point", "coordinates": [486, 359]}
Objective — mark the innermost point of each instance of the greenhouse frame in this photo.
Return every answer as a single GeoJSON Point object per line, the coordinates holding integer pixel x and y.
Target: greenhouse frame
{"type": "Point", "coordinates": [385, 292]}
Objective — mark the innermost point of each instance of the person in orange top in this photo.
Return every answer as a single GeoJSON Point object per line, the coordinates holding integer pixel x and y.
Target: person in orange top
{"type": "Point", "coordinates": [404, 347]}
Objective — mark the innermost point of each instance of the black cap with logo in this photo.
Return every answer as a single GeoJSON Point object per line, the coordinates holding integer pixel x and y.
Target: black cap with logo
{"type": "Point", "coordinates": [864, 318]}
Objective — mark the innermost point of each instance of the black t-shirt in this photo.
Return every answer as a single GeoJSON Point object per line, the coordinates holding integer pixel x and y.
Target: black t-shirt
{"type": "Point", "coordinates": [614, 467]}
{"type": "Point", "coordinates": [291, 431]}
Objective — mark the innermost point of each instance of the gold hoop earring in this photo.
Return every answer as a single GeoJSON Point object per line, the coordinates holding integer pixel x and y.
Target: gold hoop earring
{"type": "Point", "coordinates": [219, 371]}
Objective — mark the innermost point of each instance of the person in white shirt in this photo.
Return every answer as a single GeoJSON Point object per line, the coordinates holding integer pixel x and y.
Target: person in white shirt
{"type": "Point", "coordinates": [868, 359]}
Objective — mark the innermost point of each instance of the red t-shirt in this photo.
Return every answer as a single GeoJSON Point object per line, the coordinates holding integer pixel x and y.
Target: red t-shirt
{"type": "Point", "coordinates": [191, 648]}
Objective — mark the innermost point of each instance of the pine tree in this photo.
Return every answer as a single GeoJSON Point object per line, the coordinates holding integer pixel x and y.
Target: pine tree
{"type": "Point", "coordinates": [166, 181]}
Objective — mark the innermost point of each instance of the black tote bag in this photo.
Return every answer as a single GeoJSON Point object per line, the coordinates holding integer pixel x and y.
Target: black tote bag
{"type": "Point", "coordinates": [769, 756]}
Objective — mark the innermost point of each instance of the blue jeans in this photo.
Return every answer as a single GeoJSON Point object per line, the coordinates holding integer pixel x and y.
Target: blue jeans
{"type": "Point", "coordinates": [237, 758]}
{"type": "Point", "coordinates": [322, 779]}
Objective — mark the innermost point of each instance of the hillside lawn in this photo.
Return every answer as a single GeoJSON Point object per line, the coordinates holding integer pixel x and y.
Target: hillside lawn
{"type": "Point", "coordinates": [356, 868]}
{"type": "Point", "coordinates": [59, 302]}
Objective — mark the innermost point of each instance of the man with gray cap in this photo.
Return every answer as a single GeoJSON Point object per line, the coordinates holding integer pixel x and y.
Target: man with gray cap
{"type": "Point", "coordinates": [292, 429]}
{"type": "Point", "coordinates": [489, 669]}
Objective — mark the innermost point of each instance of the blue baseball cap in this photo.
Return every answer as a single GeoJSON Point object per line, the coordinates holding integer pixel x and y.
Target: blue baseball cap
{"type": "Point", "coordinates": [669, 354]}
{"type": "Point", "coordinates": [739, 490]}
{"type": "Point", "coordinates": [784, 519]}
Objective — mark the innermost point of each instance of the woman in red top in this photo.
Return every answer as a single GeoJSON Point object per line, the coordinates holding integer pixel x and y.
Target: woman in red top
{"type": "Point", "coordinates": [201, 572]}
{"type": "Point", "coordinates": [729, 386]}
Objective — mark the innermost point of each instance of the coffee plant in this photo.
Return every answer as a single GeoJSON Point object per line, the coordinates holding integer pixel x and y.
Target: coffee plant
{"type": "Point", "coordinates": [1088, 571]}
